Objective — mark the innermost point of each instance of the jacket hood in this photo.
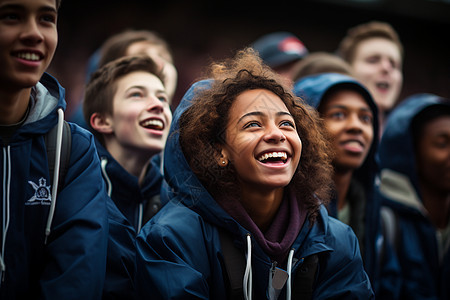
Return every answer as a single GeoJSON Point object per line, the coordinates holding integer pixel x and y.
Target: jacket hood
{"type": "Point", "coordinates": [396, 153]}
{"type": "Point", "coordinates": [184, 186]}
{"type": "Point", "coordinates": [47, 96]}
{"type": "Point", "coordinates": [313, 90]}
{"type": "Point", "coordinates": [123, 182]}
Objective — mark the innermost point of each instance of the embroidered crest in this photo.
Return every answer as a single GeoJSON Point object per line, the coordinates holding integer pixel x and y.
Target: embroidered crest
{"type": "Point", "coordinates": [42, 193]}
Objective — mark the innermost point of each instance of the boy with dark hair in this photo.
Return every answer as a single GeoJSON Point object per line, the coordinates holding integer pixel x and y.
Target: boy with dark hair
{"type": "Point", "coordinates": [54, 240]}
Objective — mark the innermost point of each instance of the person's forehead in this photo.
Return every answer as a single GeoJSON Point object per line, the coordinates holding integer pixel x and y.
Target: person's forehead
{"type": "Point", "coordinates": [141, 78]}
{"type": "Point", "coordinates": [27, 3]}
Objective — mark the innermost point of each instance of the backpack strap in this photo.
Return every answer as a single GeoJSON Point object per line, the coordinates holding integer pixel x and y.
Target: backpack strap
{"type": "Point", "coordinates": [305, 277]}
{"type": "Point", "coordinates": [389, 223]}
{"type": "Point", "coordinates": [50, 145]}
{"type": "Point", "coordinates": [390, 231]}
{"type": "Point", "coordinates": [234, 264]}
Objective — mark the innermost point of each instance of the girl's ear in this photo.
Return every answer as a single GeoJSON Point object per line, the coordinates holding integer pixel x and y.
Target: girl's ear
{"type": "Point", "coordinates": [101, 123]}
{"type": "Point", "coordinates": [222, 159]}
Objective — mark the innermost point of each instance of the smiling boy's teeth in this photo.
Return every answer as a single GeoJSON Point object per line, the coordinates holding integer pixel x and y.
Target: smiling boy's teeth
{"type": "Point", "coordinates": [157, 123]}
{"type": "Point", "coordinates": [28, 56]}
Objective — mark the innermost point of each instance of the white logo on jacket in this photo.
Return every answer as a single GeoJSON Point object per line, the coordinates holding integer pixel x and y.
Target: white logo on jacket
{"type": "Point", "coordinates": [42, 193]}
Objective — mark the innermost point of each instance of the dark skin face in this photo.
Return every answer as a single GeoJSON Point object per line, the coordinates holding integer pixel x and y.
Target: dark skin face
{"type": "Point", "coordinates": [433, 154]}
{"type": "Point", "coordinates": [433, 165]}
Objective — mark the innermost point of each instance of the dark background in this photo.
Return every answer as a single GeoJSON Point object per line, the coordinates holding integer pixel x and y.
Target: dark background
{"type": "Point", "coordinates": [201, 31]}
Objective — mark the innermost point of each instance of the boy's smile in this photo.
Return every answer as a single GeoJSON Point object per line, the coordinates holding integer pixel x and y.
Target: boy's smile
{"type": "Point", "coordinates": [141, 113]}
{"type": "Point", "coordinates": [28, 39]}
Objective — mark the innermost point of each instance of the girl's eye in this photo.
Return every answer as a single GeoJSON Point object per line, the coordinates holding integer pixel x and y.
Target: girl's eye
{"type": "Point", "coordinates": [287, 123]}
{"type": "Point", "coordinates": [251, 124]}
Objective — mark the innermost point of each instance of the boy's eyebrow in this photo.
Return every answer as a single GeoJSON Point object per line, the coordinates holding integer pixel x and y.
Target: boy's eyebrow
{"type": "Point", "coordinates": [11, 6]}
{"type": "Point", "coordinates": [141, 87]}
{"type": "Point", "coordinates": [48, 9]}
{"type": "Point", "coordinates": [259, 113]}
{"type": "Point", "coordinates": [14, 6]}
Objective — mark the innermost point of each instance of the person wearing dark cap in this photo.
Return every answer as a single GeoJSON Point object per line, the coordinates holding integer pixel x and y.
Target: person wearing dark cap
{"type": "Point", "coordinates": [280, 51]}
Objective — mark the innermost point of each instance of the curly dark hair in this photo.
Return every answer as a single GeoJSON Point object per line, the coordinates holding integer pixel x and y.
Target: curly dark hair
{"type": "Point", "coordinates": [202, 130]}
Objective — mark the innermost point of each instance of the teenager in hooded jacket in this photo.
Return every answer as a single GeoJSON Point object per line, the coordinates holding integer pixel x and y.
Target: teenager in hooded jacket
{"type": "Point", "coordinates": [130, 116]}
{"type": "Point", "coordinates": [351, 120]}
{"type": "Point", "coordinates": [53, 241]}
{"type": "Point", "coordinates": [415, 189]}
{"type": "Point", "coordinates": [350, 117]}
{"type": "Point", "coordinates": [246, 158]}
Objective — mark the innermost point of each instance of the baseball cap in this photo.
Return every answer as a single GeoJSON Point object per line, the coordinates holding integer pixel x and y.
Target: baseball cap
{"type": "Point", "coordinates": [279, 48]}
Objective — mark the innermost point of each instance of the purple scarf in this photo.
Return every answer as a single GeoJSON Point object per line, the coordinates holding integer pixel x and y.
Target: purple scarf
{"type": "Point", "coordinates": [281, 234]}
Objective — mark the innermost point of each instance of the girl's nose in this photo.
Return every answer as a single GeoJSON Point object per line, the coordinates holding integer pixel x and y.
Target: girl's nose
{"type": "Point", "coordinates": [274, 135]}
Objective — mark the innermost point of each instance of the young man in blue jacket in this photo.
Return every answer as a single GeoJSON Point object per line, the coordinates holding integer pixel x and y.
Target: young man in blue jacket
{"type": "Point", "coordinates": [129, 114]}
{"type": "Point", "coordinates": [54, 241]}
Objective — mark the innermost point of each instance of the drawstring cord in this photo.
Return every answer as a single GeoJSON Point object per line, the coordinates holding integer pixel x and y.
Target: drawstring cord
{"type": "Point", "coordinates": [103, 164]}
{"type": "Point", "coordinates": [6, 205]}
{"type": "Point", "coordinates": [289, 270]}
{"type": "Point", "coordinates": [247, 285]}
{"type": "Point", "coordinates": [141, 216]}
{"type": "Point", "coordinates": [59, 134]}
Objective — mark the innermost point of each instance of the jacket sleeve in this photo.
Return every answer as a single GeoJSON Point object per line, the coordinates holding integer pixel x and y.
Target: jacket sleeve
{"type": "Point", "coordinates": [120, 266]}
{"type": "Point", "coordinates": [75, 259]}
{"type": "Point", "coordinates": [341, 273]}
{"type": "Point", "coordinates": [170, 264]}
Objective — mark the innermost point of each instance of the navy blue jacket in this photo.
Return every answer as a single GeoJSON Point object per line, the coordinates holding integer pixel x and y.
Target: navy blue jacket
{"type": "Point", "coordinates": [125, 215]}
{"type": "Point", "coordinates": [121, 256]}
{"type": "Point", "coordinates": [129, 196]}
{"type": "Point", "coordinates": [423, 276]}
{"type": "Point", "coordinates": [71, 264]}
{"type": "Point", "coordinates": [179, 254]}
{"type": "Point", "coordinates": [313, 90]}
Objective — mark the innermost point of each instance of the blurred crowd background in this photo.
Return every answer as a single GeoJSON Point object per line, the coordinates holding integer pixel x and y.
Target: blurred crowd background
{"type": "Point", "coordinates": [201, 31]}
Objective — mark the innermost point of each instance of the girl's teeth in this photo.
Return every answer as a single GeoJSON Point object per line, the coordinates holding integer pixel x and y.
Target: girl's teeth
{"type": "Point", "coordinates": [283, 155]}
